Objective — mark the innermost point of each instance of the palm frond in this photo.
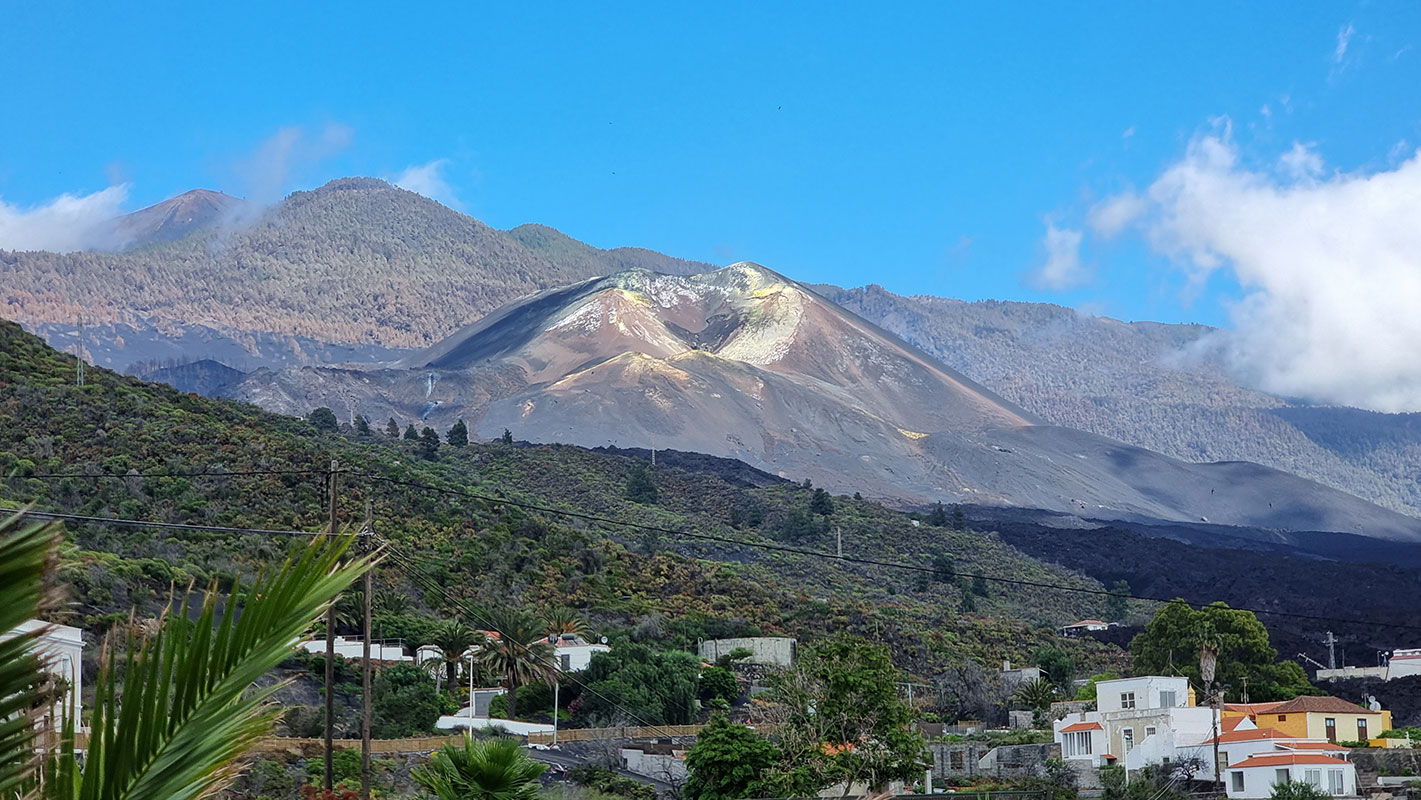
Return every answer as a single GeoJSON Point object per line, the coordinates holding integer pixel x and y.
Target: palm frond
{"type": "Point", "coordinates": [26, 552]}
{"type": "Point", "coordinates": [481, 769]}
{"type": "Point", "coordinates": [186, 712]}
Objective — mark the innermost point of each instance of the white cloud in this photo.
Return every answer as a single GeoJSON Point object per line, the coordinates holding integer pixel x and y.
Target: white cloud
{"type": "Point", "coordinates": [1301, 163]}
{"type": "Point", "coordinates": [1331, 267]}
{"type": "Point", "coordinates": [1344, 38]}
{"type": "Point", "coordinates": [1063, 268]}
{"type": "Point", "coordinates": [67, 222]}
{"type": "Point", "coordinates": [283, 158]}
{"type": "Point", "coordinates": [1128, 132]}
{"type": "Point", "coordinates": [428, 180]}
{"type": "Point", "coordinates": [1115, 213]}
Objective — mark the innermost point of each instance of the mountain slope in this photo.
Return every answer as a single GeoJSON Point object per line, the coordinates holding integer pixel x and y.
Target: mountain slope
{"type": "Point", "coordinates": [355, 262]}
{"type": "Point", "coordinates": [1154, 386]}
{"type": "Point", "coordinates": [744, 363]}
{"type": "Point", "coordinates": [178, 217]}
{"type": "Point", "coordinates": [487, 552]}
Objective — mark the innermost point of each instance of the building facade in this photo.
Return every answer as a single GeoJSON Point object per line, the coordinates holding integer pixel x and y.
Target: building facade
{"type": "Point", "coordinates": [1255, 777]}
{"type": "Point", "coordinates": [1329, 719]}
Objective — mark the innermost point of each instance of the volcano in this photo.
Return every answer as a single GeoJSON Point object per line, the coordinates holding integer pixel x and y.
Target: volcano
{"type": "Point", "coordinates": [745, 363]}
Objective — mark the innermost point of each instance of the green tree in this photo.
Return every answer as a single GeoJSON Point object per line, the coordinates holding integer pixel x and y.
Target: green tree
{"type": "Point", "coordinates": [640, 486]}
{"type": "Point", "coordinates": [403, 702]}
{"type": "Point", "coordinates": [1170, 645]}
{"type": "Point", "coordinates": [362, 425]}
{"type": "Point", "coordinates": [458, 435]}
{"type": "Point", "coordinates": [943, 568]}
{"type": "Point", "coordinates": [507, 437]}
{"type": "Point", "coordinates": [718, 682]}
{"type": "Point", "coordinates": [821, 503]}
{"type": "Point", "coordinates": [428, 444]}
{"type": "Point", "coordinates": [938, 517]}
{"type": "Point", "coordinates": [727, 762]}
{"type": "Point", "coordinates": [1087, 692]}
{"type": "Point", "coordinates": [1058, 665]}
{"type": "Point", "coordinates": [324, 420]}
{"type": "Point", "coordinates": [1117, 603]}
{"type": "Point", "coordinates": [979, 586]}
{"type": "Point", "coordinates": [411, 435]}
{"type": "Point", "coordinates": [481, 769]}
{"type": "Point", "coordinates": [520, 653]}
{"type": "Point", "coordinates": [392, 429]}
{"type": "Point", "coordinates": [658, 686]}
{"type": "Point", "coordinates": [173, 715]}
{"type": "Point", "coordinates": [959, 520]}
{"type": "Point", "coordinates": [844, 721]}
{"type": "Point", "coordinates": [563, 619]}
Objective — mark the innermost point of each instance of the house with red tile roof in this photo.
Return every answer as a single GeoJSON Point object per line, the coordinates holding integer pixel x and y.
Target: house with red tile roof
{"type": "Point", "coordinates": [1257, 776]}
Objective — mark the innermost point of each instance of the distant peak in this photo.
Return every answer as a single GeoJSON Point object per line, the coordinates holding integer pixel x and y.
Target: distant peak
{"type": "Point", "coordinates": [354, 183]}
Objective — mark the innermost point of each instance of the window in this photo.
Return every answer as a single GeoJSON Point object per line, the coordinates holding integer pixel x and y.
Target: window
{"type": "Point", "coordinates": [1334, 781]}
{"type": "Point", "coordinates": [1149, 731]}
{"type": "Point", "coordinates": [1127, 699]}
{"type": "Point", "coordinates": [566, 662]}
{"type": "Point", "coordinates": [1168, 700]}
{"type": "Point", "coordinates": [1282, 717]}
{"type": "Point", "coordinates": [1078, 743]}
{"type": "Point", "coordinates": [1313, 778]}
{"type": "Point", "coordinates": [956, 759]}
{"type": "Point", "coordinates": [1127, 738]}
{"type": "Point", "coordinates": [1362, 729]}
{"type": "Point", "coordinates": [1280, 776]}
{"type": "Point", "coordinates": [1238, 781]}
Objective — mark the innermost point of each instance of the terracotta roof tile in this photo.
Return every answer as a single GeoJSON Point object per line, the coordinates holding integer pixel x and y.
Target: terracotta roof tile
{"type": "Point", "coordinates": [1325, 703]}
{"type": "Point", "coordinates": [1082, 726]}
{"type": "Point", "coordinates": [1285, 759]}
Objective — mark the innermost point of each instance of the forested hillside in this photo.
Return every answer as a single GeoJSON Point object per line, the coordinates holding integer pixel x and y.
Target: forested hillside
{"type": "Point", "coordinates": [357, 261]}
{"type": "Point", "coordinates": [1151, 385]}
{"type": "Point", "coordinates": [151, 438]}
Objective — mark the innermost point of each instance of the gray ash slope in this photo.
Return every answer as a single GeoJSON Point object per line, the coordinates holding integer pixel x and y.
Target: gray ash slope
{"type": "Point", "coordinates": [744, 363]}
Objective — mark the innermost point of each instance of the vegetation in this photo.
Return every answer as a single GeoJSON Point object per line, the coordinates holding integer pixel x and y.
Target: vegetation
{"type": "Point", "coordinates": [404, 702]}
{"type": "Point", "coordinates": [519, 652]}
{"type": "Point", "coordinates": [728, 762]}
{"type": "Point", "coordinates": [187, 711]}
{"type": "Point", "coordinates": [1297, 790]}
{"type": "Point", "coordinates": [651, 687]}
{"type": "Point", "coordinates": [481, 769]}
{"type": "Point", "coordinates": [1171, 645]}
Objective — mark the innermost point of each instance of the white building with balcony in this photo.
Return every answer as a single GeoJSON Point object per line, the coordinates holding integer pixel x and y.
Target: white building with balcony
{"type": "Point", "coordinates": [1137, 721]}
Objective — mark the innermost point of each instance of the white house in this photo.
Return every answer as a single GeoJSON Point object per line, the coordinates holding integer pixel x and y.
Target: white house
{"type": "Point", "coordinates": [1137, 721]}
{"type": "Point", "coordinates": [1255, 777]}
{"type": "Point", "coordinates": [1247, 740]}
{"type": "Point", "coordinates": [1084, 626]}
{"type": "Point", "coordinates": [61, 650]}
{"type": "Point", "coordinates": [574, 653]}
{"type": "Point", "coordinates": [353, 647]}
{"type": "Point", "coordinates": [1403, 663]}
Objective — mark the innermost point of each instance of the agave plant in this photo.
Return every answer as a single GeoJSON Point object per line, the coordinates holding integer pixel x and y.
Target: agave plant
{"type": "Point", "coordinates": [481, 769]}
{"type": "Point", "coordinates": [175, 710]}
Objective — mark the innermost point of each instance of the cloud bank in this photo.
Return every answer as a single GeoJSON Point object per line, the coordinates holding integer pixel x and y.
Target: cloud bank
{"type": "Point", "coordinates": [1331, 264]}
{"type": "Point", "coordinates": [66, 223]}
{"type": "Point", "coordinates": [428, 180]}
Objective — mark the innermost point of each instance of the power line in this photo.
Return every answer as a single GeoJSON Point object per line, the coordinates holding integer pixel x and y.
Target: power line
{"type": "Point", "coordinates": [410, 569]}
{"type": "Point", "coordinates": [208, 474]}
{"type": "Point", "coordinates": [853, 559]}
{"type": "Point", "coordinates": [140, 523]}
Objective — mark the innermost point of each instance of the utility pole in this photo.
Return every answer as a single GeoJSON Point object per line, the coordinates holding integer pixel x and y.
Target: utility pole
{"type": "Point", "coordinates": [331, 648]}
{"type": "Point", "coordinates": [1331, 642]}
{"type": "Point", "coordinates": [365, 546]}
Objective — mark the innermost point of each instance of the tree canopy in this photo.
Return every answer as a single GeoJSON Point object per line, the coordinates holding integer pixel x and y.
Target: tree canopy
{"type": "Point", "coordinates": [1170, 645]}
{"type": "Point", "coordinates": [658, 686]}
{"type": "Point", "coordinates": [728, 762]}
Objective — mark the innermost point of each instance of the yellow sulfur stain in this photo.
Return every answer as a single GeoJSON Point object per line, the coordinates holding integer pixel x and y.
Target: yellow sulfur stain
{"type": "Point", "coordinates": [914, 435]}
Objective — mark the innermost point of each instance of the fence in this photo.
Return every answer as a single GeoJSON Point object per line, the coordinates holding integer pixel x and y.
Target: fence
{"type": "Point", "coordinates": [418, 744]}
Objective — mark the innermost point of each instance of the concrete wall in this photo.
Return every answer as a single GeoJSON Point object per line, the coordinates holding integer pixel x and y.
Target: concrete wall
{"type": "Point", "coordinates": [664, 767]}
{"type": "Point", "coordinates": [777, 651]}
{"type": "Point", "coordinates": [957, 759]}
{"type": "Point", "coordinates": [978, 759]}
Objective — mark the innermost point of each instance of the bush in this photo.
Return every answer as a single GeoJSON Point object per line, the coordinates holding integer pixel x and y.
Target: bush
{"type": "Point", "coordinates": [1298, 790]}
{"type": "Point", "coordinates": [405, 703]}
{"type": "Point", "coordinates": [605, 780]}
{"type": "Point", "coordinates": [718, 683]}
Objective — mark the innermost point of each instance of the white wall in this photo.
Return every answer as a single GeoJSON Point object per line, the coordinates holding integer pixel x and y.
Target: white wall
{"type": "Point", "coordinates": [1258, 782]}
{"type": "Point", "coordinates": [1146, 690]}
{"type": "Point", "coordinates": [61, 649]}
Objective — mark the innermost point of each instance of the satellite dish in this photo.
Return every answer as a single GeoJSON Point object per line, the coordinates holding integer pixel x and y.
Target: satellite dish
{"type": "Point", "coordinates": [604, 640]}
{"type": "Point", "coordinates": [1372, 703]}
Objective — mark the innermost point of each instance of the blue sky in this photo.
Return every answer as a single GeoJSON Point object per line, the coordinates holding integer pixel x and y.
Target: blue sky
{"type": "Point", "coordinates": [925, 147]}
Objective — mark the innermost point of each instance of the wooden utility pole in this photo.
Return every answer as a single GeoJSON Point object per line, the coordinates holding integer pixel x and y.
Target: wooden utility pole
{"type": "Point", "coordinates": [329, 782]}
{"type": "Point", "coordinates": [365, 545]}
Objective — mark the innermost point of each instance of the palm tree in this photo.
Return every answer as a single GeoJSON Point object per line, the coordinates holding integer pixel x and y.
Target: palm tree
{"type": "Point", "coordinates": [175, 710]}
{"type": "Point", "coordinates": [454, 638]}
{"type": "Point", "coordinates": [521, 653]}
{"type": "Point", "coordinates": [563, 619]}
{"type": "Point", "coordinates": [481, 769]}
{"type": "Point", "coordinates": [1037, 695]}
{"type": "Point", "coordinates": [394, 603]}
